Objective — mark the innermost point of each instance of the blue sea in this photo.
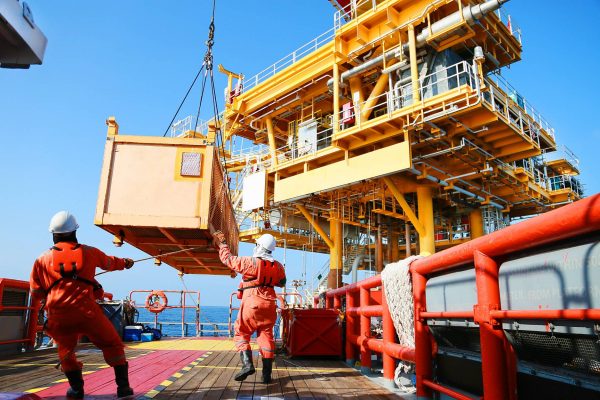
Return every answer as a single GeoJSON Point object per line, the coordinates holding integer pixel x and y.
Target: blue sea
{"type": "Point", "coordinates": [169, 321]}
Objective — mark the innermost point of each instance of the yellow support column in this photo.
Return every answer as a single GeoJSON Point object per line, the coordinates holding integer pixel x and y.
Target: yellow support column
{"type": "Point", "coordinates": [476, 222]}
{"type": "Point", "coordinates": [272, 145]}
{"type": "Point", "coordinates": [336, 234]}
{"type": "Point", "coordinates": [336, 96]}
{"type": "Point", "coordinates": [414, 68]}
{"type": "Point", "coordinates": [394, 254]}
{"type": "Point", "coordinates": [425, 208]}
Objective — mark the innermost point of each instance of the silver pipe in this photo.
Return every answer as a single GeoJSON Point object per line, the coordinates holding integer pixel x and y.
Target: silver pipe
{"type": "Point", "coordinates": [455, 188]}
{"type": "Point", "coordinates": [470, 14]}
{"type": "Point", "coordinates": [357, 261]}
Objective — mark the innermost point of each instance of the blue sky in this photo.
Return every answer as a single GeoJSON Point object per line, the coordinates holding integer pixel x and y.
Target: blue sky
{"type": "Point", "coordinates": [135, 59]}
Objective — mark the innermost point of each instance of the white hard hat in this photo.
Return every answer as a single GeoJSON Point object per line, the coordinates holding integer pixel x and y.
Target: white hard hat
{"type": "Point", "coordinates": [63, 222]}
{"type": "Point", "coordinates": [267, 241]}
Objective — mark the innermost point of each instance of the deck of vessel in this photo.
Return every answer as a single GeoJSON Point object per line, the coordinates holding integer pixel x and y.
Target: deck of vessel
{"type": "Point", "coordinates": [185, 369]}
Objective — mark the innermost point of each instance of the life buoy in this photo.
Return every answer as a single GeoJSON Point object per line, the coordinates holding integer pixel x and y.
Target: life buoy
{"type": "Point", "coordinates": [156, 301]}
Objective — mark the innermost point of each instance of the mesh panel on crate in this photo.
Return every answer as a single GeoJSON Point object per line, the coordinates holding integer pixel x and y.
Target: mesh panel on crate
{"type": "Point", "coordinates": [221, 215]}
{"type": "Point", "coordinates": [191, 164]}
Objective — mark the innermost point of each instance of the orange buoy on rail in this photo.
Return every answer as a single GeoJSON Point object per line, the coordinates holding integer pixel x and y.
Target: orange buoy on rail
{"type": "Point", "coordinates": [156, 301]}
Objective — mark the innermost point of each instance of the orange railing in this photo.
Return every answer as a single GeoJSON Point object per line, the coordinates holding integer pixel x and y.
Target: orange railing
{"type": "Point", "coordinates": [31, 311]}
{"type": "Point", "coordinates": [485, 254]}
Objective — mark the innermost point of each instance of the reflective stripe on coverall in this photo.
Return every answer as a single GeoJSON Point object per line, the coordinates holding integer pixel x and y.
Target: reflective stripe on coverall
{"type": "Point", "coordinates": [72, 310]}
{"type": "Point", "coordinates": [258, 310]}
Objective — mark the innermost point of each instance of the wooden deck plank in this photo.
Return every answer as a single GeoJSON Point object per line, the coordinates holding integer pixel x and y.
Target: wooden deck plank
{"type": "Point", "coordinates": [297, 379]}
{"type": "Point", "coordinates": [246, 388]}
{"type": "Point", "coordinates": [189, 380]}
{"type": "Point", "coordinates": [199, 376]}
{"type": "Point", "coordinates": [284, 382]}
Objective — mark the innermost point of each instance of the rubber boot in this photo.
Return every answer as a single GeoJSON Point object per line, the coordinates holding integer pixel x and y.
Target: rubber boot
{"type": "Point", "coordinates": [122, 380]}
{"type": "Point", "coordinates": [267, 369]}
{"type": "Point", "coordinates": [76, 382]}
{"type": "Point", "coordinates": [247, 366]}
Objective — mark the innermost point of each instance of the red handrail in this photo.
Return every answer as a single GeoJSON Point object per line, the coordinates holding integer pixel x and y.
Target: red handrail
{"type": "Point", "coordinates": [497, 356]}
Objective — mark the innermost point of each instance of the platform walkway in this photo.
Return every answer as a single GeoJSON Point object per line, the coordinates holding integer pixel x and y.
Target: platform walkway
{"type": "Point", "coordinates": [185, 369]}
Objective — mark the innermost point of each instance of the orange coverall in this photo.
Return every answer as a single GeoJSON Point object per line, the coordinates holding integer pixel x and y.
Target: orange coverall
{"type": "Point", "coordinates": [72, 309]}
{"type": "Point", "coordinates": [258, 310]}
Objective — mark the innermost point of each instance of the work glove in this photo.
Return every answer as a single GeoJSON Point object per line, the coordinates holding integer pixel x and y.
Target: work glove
{"type": "Point", "coordinates": [220, 237]}
{"type": "Point", "coordinates": [128, 263]}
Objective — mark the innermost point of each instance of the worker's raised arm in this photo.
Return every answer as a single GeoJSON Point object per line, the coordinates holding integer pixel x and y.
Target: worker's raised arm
{"type": "Point", "coordinates": [107, 263]}
{"type": "Point", "coordinates": [241, 265]}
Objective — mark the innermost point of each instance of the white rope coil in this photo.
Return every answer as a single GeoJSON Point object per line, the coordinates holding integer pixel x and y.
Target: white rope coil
{"type": "Point", "coordinates": [398, 292]}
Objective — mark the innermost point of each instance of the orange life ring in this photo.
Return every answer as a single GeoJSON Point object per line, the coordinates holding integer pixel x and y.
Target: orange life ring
{"type": "Point", "coordinates": [156, 301]}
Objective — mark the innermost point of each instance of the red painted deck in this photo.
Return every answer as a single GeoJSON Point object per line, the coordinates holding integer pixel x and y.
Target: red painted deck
{"type": "Point", "coordinates": [145, 373]}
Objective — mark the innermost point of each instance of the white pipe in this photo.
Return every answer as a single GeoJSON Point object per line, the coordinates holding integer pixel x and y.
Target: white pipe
{"type": "Point", "coordinates": [470, 15]}
{"type": "Point", "coordinates": [357, 261]}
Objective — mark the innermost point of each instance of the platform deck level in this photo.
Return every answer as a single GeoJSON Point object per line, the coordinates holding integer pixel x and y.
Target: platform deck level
{"type": "Point", "coordinates": [185, 369]}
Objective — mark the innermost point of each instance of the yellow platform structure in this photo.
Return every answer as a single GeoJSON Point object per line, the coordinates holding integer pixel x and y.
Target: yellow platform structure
{"type": "Point", "coordinates": [392, 133]}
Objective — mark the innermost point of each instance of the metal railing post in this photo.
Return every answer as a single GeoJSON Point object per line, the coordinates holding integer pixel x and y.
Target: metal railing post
{"type": "Point", "coordinates": [365, 332]}
{"type": "Point", "coordinates": [423, 358]}
{"type": "Point", "coordinates": [350, 328]}
{"type": "Point", "coordinates": [389, 336]}
{"type": "Point", "coordinates": [493, 342]}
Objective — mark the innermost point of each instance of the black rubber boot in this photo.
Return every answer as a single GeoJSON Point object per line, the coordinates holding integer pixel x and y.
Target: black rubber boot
{"type": "Point", "coordinates": [76, 381]}
{"type": "Point", "coordinates": [247, 366]}
{"type": "Point", "coordinates": [267, 369]}
{"type": "Point", "coordinates": [122, 380]}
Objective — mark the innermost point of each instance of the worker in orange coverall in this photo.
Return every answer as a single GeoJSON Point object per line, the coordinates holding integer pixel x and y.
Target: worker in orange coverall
{"type": "Point", "coordinates": [258, 310]}
{"type": "Point", "coordinates": [63, 279]}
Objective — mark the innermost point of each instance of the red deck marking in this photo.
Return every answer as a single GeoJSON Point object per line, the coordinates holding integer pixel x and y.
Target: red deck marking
{"type": "Point", "coordinates": [145, 373]}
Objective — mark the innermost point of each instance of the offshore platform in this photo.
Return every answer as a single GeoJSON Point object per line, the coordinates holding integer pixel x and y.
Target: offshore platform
{"type": "Point", "coordinates": [391, 134]}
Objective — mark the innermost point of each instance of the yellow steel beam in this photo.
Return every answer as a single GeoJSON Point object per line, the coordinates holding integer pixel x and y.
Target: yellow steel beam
{"type": "Point", "coordinates": [336, 97]}
{"type": "Point", "coordinates": [272, 145]}
{"type": "Point", "coordinates": [336, 260]}
{"type": "Point", "coordinates": [405, 207]}
{"type": "Point", "coordinates": [315, 225]}
{"type": "Point", "coordinates": [476, 222]}
{"type": "Point", "coordinates": [380, 86]}
{"type": "Point", "coordinates": [425, 208]}
{"type": "Point", "coordinates": [414, 68]}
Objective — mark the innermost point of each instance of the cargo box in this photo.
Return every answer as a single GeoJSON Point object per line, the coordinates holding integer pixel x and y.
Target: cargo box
{"type": "Point", "coordinates": [166, 194]}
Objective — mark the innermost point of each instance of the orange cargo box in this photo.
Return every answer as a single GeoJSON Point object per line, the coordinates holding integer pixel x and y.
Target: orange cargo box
{"type": "Point", "coordinates": [166, 194]}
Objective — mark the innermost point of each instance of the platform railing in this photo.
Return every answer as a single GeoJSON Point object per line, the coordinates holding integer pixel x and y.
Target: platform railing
{"type": "Point", "coordinates": [484, 254]}
{"type": "Point", "coordinates": [183, 306]}
{"type": "Point", "coordinates": [286, 61]}
{"type": "Point", "coordinates": [362, 301]}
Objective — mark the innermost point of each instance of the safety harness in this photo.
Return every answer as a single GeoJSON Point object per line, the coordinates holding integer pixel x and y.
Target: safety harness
{"type": "Point", "coordinates": [270, 274]}
{"type": "Point", "coordinates": [67, 260]}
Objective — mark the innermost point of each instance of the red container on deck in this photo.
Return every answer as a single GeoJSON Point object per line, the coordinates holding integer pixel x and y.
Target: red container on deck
{"type": "Point", "coordinates": [313, 332]}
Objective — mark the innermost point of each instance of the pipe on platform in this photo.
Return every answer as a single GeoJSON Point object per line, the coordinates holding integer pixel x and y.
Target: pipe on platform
{"type": "Point", "coordinates": [377, 345]}
{"type": "Point", "coordinates": [357, 261]}
{"type": "Point", "coordinates": [470, 14]}
{"type": "Point", "coordinates": [455, 188]}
